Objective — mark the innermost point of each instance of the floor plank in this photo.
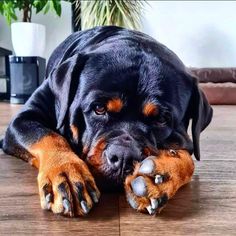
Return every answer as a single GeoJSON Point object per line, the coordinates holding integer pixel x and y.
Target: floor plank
{"type": "Point", "coordinates": [218, 141]}
{"type": "Point", "coordinates": [20, 212]}
{"type": "Point", "coordinates": [206, 206]}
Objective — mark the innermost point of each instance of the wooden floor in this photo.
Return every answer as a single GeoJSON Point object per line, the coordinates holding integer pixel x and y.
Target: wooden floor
{"type": "Point", "coordinates": [206, 206]}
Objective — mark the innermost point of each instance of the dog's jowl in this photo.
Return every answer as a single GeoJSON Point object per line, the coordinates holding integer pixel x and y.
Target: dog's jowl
{"type": "Point", "coordinates": [112, 114]}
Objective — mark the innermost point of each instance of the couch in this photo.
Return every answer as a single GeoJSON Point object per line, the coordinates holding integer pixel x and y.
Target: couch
{"type": "Point", "coordinates": [218, 84]}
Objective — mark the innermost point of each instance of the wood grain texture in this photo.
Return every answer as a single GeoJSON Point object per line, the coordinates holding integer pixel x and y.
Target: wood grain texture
{"type": "Point", "coordinates": [20, 211]}
{"type": "Point", "coordinates": [206, 206]}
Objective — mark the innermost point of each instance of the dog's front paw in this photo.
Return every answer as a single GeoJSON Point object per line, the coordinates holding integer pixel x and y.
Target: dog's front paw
{"type": "Point", "coordinates": [156, 179]}
{"type": "Point", "coordinates": [67, 188]}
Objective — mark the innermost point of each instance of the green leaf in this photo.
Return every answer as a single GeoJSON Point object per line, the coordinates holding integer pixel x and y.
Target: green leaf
{"type": "Point", "coordinates": [8, 7]}
{"type": "Point", "coordinates": [39, 5]}
{"type": "Point", "coordinates": [1, 8]}
{"type": "Point", "coordinates": [110, 12]}
{"type": "Point", "coordinates": [13, 16]}
{"type": "Point", "coordinates": [57, 6]}
{"type": "Point", "coordinates": [46, 9]}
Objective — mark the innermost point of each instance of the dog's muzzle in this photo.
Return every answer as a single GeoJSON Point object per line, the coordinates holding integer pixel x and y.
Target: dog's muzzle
{"type": "Point", "coordinates": [121, 153]}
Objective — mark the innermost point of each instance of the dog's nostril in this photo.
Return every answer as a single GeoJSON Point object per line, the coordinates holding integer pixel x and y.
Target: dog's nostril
{"type": "Point", "coordinates": [114, 159]}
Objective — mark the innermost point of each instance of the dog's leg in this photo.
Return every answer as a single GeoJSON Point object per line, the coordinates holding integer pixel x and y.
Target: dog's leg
{"type": "Point", "coordinates": [65, 183]}
{"type": "Point", "coordinates": [157, 178]}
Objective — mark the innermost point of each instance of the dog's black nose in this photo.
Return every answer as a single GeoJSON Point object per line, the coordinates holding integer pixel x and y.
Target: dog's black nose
{"type": "Point", "coordinates": [119, 157]}
{"type": "Point", "coordinates": [122, 152]}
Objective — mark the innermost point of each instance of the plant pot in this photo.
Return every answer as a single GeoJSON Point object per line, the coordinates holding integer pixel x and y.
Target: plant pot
{"type": "Point", "coordinates": [28, 39]}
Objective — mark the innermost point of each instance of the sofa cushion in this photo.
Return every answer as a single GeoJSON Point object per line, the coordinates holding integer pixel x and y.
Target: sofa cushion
{"type": "Point", "coordinates": [220, 93]}
{"type": "Point", "coordinates": [215, 75]}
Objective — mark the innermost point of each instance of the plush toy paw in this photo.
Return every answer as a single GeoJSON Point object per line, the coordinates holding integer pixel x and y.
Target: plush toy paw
{"type": "Point", "coordinates": [157, 178]}
{"type": "Point", "coordinates": [67, 188]}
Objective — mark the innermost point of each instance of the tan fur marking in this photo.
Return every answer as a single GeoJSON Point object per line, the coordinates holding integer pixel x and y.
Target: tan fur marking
{"type": "Point", "coordinates": [150, 109]}
{"type": "Point", "coordinates": [95, 155]}
{"type": "Point", "coordinates": [179, 168]}
{"type": "Point", "coordinates": [58, 164]}
{"type": "Point", "coordinates": [115, 105]}
{"type": "Point", "coordinates": [75, 132]}
{"type": "Point", "coordinates": [149, 151]}
{"type": "Point", "coordinates": [49, 145]}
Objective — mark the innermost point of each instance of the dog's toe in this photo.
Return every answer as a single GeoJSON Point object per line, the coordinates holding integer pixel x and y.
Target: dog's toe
{"type": "Point", "coordinates": [147, 166]}
{"type": "Point", "coordinates": [139, 186]}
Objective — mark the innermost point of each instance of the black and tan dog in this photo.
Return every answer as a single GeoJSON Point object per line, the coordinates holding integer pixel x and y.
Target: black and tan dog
{"type": "Point", "coordinates": [114, 111]}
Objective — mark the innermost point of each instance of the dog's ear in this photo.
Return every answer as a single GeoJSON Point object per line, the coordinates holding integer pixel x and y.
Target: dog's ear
{"type": "Point", "coordinates": [63, 82]}
{"type": "Point", "coordinates": [201, 114]}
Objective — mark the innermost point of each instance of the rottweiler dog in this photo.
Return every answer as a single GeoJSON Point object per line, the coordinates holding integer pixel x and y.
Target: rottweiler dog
{"type": "Point", "coordinates": [112, 113]}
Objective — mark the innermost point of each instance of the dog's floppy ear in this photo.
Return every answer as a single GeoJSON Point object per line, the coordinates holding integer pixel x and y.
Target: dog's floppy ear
{"type": "Point", "coordinates": [63, 82]}
{"type": "Point", "coordinates": [201, 114]}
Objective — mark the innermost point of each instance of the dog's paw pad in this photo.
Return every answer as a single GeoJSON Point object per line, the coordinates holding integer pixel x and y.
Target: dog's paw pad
{"type": "Point", "coordinates": [139, 186]}
{"type": "Point", "coordinates": [147, 166]}
{"type": "Point", "coordinates": [156, 179]}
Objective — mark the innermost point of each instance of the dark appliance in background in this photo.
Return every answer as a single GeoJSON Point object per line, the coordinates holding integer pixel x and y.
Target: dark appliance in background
{"type": "Point", "coordinates": [4, 74]}
{"type": "Point", "coordinates": [26, 73]}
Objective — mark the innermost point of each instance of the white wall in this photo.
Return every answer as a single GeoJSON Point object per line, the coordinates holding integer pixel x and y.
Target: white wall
{"type": "Point", "coordinates": [201, 33]}
{"type": "Point", "coordinates": [57, 29]}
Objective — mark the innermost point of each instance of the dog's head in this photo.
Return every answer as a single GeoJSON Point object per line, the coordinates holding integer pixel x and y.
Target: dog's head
{"type": "Point", "coordinates": [124, 99]}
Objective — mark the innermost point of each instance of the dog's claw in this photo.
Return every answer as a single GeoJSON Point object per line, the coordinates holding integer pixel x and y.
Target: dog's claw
{"type": "Point", "coordinates": [48, 199]}
{"type": "Point", "coordinates": [163, 200]}
{"type": "Point", "coordinates": [147, 166]}
{"type": "Point", "coordinates": [154, 203]}
{"type": "Point", "coordinates": [66, 205]}
{"type": "Point", "coordinates": [85, 207]}
{"type": "Point", "coordinates": [94, 196]}
{"type": "Point", "coordinates": [158, 179]}
{"type": "Point", "coordinates": [139, 186]}
{"type": "Point", "coordinates": [150, 210]}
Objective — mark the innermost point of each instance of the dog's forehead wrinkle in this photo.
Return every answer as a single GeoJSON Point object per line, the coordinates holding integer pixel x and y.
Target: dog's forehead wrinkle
{"type": "Point", "coordinates": [109, 83]}
{"type": "Point", "coordinates": [112, 60]}
{"type": "Point", "coordinates": [144, 77]}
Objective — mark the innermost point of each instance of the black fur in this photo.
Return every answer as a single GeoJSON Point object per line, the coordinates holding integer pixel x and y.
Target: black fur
{"type": "Point", "coordinates": [92, 66]}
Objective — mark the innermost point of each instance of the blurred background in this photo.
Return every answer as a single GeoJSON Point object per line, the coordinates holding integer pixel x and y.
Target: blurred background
{"type": "Point", "coordinates": [201, 33]}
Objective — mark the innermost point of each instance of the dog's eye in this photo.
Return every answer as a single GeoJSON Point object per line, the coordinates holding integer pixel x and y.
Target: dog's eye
{"type": "Point", "coordinates": [100, 109]}
{"type": "Point", "coordinates": [161, 121]}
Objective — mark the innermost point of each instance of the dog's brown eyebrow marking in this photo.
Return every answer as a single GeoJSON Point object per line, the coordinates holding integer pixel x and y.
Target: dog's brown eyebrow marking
{"type": "Point", "coordinates": [150, 109]}
{"type": "Point", "coordinates": [114, 105]}
{"type": "Point", "coordinates": [75, 132]}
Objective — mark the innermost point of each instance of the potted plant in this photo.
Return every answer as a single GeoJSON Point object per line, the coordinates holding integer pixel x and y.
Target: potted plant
{"type": "Point", "coordinates": [28, 39]}
{"type": "Point", "coordinates": [126, 13]}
